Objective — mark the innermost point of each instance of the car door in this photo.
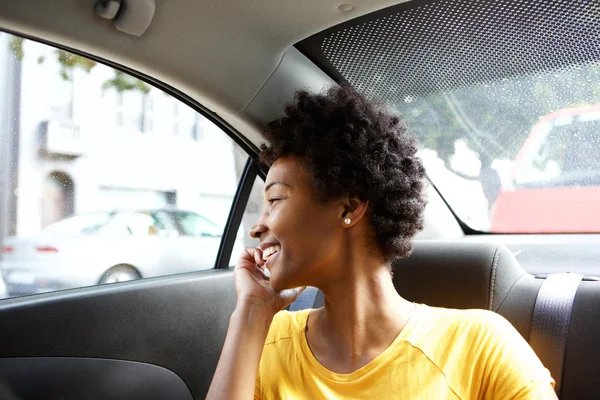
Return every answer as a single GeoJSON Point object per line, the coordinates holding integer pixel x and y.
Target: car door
{"type": "Point", "coordinates": [154, 338]}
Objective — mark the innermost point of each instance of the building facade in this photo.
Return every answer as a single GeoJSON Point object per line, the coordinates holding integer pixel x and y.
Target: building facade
{"type": "Point", "coordinates": [86, 145]}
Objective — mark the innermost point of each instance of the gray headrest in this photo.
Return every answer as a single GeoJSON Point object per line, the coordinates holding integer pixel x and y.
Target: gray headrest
{"type": "Point", "coordinates": [457, 274]}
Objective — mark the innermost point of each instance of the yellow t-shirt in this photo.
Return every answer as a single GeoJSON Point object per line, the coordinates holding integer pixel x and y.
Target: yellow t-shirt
{"type": "Point", "coordinates": [440, 354]}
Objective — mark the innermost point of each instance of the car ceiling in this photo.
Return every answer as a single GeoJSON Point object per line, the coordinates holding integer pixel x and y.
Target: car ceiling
{"type": "Point", "coordinates": [220, 53]}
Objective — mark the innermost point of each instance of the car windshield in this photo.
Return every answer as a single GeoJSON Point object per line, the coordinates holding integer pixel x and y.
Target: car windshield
{"type": "Point", "coordinates": [79, 224]}
{"type": "Point", "coordinates": [503, 95]}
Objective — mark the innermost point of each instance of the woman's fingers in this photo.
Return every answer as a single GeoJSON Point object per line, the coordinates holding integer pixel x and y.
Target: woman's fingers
{"type": "Point", "coordinates": [257, 268]}
{"type": "Point", "coordinates": [251, 279]}
{"type": "Point", "coordinates": [251, 261]}
{"type": "Point", "coordinates": [258, 257]}
{"type": "Point", "coordinates": [250, 257]}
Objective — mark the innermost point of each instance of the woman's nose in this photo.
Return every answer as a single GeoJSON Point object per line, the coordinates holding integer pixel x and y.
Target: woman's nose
{"type": "Point", "coordinates": [257, 230]}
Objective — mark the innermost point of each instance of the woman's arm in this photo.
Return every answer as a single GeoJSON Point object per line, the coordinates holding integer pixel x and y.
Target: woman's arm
{"type": "Point", "coordinates": [235, 376]}
{"type": "Point", "coordinates": [257, 304]}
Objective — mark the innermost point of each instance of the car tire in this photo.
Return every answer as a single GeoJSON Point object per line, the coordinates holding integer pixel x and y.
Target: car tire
{"type": "Point", "coordinates": [120, 273]}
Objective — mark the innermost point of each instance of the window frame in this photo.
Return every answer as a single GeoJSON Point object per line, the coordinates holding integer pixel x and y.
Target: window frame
{"type": "Point", "coordinates": [240, 200]}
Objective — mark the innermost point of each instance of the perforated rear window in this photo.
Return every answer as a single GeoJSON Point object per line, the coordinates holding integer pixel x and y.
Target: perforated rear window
{"type": "Point", "coordinates": [421, 47]}
{"type": "Point", "coordinates": [479, 82]}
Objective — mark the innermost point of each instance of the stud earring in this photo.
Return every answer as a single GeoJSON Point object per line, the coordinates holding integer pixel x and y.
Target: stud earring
{"type": "Point", "coordinates": [347, 221]}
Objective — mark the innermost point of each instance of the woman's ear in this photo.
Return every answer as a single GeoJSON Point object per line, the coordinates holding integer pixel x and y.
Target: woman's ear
{"type": "Point", "coordinates": [354, 210]}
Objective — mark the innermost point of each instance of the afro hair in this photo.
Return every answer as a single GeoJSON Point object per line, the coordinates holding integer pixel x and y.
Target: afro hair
{"type": "Point", "coordinates": [356, 147]}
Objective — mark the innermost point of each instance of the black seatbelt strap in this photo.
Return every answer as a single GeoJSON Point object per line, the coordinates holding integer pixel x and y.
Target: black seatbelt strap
{"type": "Point", "coordinates": [307, 299]}
{"type": "Point", "coordinates": [551, 318]}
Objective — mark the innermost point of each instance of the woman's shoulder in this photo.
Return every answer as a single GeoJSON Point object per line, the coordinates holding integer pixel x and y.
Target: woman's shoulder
{"type": "Point", "coordinates": [475, 318]}
{"type": "Point", "coordinates": [483, 341]}
{"type": "Point", "coordinates": [447, 324]}
{"type": "Point", "coordinates": [286, 325]}
{"type": "Point", "coordinates": [442, 333]}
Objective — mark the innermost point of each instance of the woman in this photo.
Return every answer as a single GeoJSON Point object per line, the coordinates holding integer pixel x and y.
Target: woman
{"type": "Point", "coordinates": [344, 196]}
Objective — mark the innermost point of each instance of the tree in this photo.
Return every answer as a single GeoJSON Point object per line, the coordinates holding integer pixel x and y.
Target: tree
{"type": "Point", "coordinates": [121, 82]}
{"type": "Point", "coordinates": [495, 118]}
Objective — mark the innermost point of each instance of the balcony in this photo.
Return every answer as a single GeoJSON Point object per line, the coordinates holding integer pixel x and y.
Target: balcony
{"type": "Point", "coordinates": [62, 139]}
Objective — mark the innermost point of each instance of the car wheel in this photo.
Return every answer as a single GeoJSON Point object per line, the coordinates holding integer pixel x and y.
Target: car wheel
{"type": "Point", "coordinates": [120, 273]}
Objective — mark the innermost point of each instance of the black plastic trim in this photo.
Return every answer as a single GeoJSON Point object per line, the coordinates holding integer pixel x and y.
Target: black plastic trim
{"type": "Point", "coordinates": [311, 46]}
{"type": "Point", "coordinates": [177, 322]}
{"type": "Point", "coordinates": [29, 378]}
{"type": "Point", "coordinates": [238, 207]}
{"type": "Point", "coordinates": [467, 230]}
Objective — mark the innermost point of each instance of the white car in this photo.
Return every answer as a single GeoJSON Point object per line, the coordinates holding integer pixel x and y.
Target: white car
{"type": "Point", "coordinates": [107, 247]}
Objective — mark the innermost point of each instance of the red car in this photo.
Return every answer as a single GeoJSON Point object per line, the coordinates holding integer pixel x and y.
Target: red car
{"type": "Point", "coordinates": [555, 183]}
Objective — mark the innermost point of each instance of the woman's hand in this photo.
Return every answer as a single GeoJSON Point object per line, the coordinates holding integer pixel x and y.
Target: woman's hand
{"type": "Point", "coordinates": [253, 287]}
{"type": "Point", "coordinates": [235, 376]}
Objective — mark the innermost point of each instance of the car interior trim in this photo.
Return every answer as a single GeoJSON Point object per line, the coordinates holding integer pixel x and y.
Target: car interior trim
{"type": "Point", "coordinates": [177, 322]}
{"type": "Point", "coordinates": [238, 207]}
{"type": "Point", "coordinates": [96, 378]}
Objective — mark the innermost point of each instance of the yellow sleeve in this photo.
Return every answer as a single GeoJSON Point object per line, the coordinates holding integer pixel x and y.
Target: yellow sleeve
{"type": "Point", "coordinates": [511, 369]}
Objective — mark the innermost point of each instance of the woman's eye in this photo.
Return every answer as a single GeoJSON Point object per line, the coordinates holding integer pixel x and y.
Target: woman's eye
{"type": "Point", "coordinates": [273, 200]}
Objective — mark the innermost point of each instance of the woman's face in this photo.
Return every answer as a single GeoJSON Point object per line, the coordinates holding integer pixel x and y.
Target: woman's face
{"type": "Point", "coordinates": [308, 233]}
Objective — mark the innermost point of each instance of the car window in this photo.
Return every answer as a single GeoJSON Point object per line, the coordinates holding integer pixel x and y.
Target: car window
{"type": "Point", "coordinates": [144, 224]}
{"type": "Point", "coordinates": [502, 95]}
{"type": "Point", "coordinates": [192, 224]}
{"type": "Point", "coordinates": [106, 175]}
{"type": "Point", "coordinates": [564, 154]}
{"type": "Point", "coordinates": [80, 224]}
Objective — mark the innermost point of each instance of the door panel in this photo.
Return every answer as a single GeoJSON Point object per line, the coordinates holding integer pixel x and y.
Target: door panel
{"type": "Point", "coordinates": [168, 330]}
{"type": "Point", "coordinates": [177, 322]}
{"type": "Point", "coordinates": [97, 379]}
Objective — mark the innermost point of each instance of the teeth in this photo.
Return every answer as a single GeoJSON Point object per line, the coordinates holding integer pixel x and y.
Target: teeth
{"type": "Point", "coordinates": [270, 251]}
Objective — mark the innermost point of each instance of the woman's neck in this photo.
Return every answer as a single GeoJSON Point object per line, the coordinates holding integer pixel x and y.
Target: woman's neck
{"type": "Point", "coordinates": [363, 314]}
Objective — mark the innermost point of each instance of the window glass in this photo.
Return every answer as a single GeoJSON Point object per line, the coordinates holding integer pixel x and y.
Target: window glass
{"type": "Point", "coordinates": [130, 110]}
{"type": "Point", "coordinates": [99, 171]}
{"type": "Point", "coordinates": [503, 96]}
{"type": "Point", "coordinates": [564, 154]}
{"type": "Point", "coordinates": [79, 224]}
{"type": "Point", "coordinates": [527, 167]}
{"type": "Point", "coordinates": [142, 224]}
{"type": "Point", "coordinates": [192, 224]}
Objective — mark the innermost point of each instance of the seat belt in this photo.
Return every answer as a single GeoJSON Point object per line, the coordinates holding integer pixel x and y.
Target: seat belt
{"type": "Point", "coordinates": [550, 323]}
{"type": "Point", "coordinates": [311, 297]}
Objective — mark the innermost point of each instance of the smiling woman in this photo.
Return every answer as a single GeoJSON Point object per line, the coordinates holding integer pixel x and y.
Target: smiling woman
{"type": "Point", "coordinates": [344, 197]}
